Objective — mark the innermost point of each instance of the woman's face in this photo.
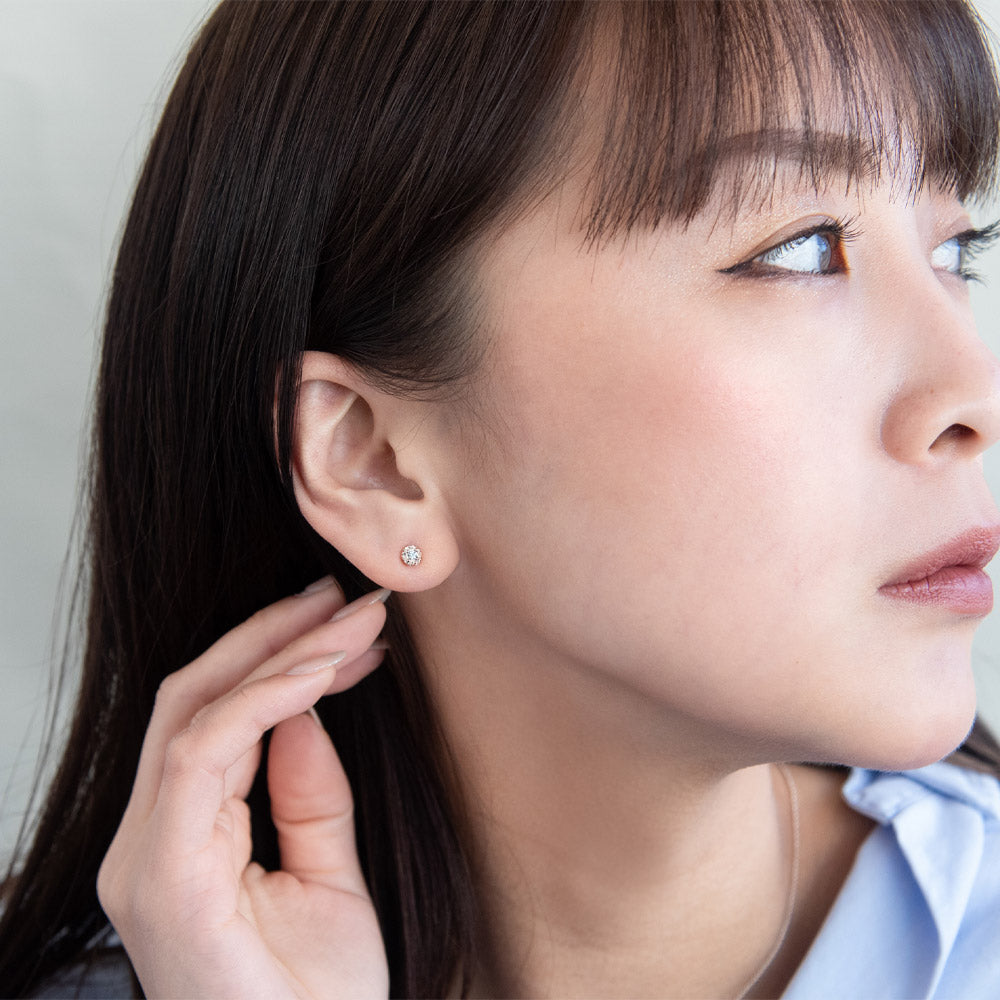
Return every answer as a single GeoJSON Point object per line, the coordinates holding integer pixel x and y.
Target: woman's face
{"type": "Point", "coordinates": [703, 452]}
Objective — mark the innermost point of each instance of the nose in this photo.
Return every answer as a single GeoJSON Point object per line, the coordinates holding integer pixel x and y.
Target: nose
{"type": "Point", "coordinates": [946, 406]}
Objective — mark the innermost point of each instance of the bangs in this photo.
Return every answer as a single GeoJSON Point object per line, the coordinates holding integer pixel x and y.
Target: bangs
{"type": "Point", "coordinates": [709, 97]}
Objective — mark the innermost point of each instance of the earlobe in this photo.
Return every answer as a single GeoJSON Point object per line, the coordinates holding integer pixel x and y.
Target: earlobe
{"type": "Point", "coordinates": [351, 487]}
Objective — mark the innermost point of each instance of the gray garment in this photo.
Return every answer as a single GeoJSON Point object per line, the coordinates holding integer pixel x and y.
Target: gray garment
{"type": "Point", "coordinates": [105, 975]}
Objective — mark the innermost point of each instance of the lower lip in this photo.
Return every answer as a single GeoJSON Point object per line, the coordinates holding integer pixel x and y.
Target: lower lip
{"type": "Point", "coordinates": [965, 590]}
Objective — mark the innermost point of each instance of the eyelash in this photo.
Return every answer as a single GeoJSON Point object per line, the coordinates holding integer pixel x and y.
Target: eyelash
{"type": "Point", "coordinates": [974, 242]}
{"type": "Point", "coordinates": [841, 232]}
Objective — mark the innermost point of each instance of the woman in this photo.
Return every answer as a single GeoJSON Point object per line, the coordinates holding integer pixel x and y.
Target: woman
{"type": "Point", "coordinates": [629, 345]}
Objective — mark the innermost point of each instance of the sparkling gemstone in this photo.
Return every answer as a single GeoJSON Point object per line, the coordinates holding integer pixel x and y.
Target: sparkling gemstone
{"type": "Point", "coordinates": [411, 555]}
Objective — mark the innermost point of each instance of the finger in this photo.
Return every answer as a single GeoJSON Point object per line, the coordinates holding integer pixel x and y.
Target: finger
{"type": "Point", "coordinates": [348, 674]}
{"type": "Point", "coordinates": [197, 759]}
{"type": "Point", "coordinates": [233, 820]}
{"type": "Point", "coordinates": [240, 777]}
{"type": "Point", "coordinates": [232, 657]}
{"type": "Point", "coordinates": [184, 693]}
{"type": "Point", "coordinates": [345, 630]}
{"type": "Point", "coordinates": [227, 661]}
{"type": "Point", "coordinates": [312, 807]}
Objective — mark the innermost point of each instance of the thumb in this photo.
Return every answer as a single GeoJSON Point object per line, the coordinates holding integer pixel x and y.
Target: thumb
{"type": "Point", "coordinates": [312, 806]}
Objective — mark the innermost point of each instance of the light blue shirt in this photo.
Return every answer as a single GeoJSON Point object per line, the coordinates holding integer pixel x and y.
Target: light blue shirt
{"type": "Point", "coordinates": [919, 914]}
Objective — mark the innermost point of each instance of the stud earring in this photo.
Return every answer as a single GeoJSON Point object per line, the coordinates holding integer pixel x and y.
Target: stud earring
{"type": "Point", "coordinates": [411, 555]}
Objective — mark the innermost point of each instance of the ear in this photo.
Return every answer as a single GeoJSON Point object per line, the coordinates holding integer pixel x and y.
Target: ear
{"type": "Point", "coordinates": [364, 478]}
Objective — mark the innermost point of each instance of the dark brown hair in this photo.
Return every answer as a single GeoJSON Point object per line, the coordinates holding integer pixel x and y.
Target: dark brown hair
{"type": "Point", "coordinates": [318, 174]}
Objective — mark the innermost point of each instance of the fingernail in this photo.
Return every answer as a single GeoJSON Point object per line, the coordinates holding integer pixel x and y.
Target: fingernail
{"type": "Point", "coordinates": [314, 715]}
{"type": "Point", "coordinates": [378, 597]}
{"type": "Point", "coordinates": [316, 665]}
{"type": "Point", "coordinates": [321, 584]}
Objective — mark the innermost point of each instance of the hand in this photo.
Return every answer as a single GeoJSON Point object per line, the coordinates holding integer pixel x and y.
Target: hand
{"type": "Point", "coordinates": [196, 917]}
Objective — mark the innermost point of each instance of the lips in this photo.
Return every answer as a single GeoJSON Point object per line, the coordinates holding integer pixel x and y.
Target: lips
{"type": "Point", "coordinates": [950, 576]}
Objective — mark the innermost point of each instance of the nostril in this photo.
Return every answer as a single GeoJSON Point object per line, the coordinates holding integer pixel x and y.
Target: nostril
{"type": "Point", "coordinates": [955, 434]}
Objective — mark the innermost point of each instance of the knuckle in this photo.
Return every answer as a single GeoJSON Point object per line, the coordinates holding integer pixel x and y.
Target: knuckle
{"type": "Point", "coordinates": [258, 620]}
{"type": "Point", "coordinates": [170, 688]}
{"type": "Point", "coordinates": [105, 888]}
{"type": "Point", "coordinates": [238, 701]}
{"type": "Point", "coordinates": [243, 697]}
{"type": "Point", "coordinates": [182, 752]}
{"type": "Point", "coordinates": [112, 891]}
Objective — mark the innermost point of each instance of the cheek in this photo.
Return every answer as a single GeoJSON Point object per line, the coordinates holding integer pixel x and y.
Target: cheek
{"type": "Point", "coordinates": [702, 514]}
{"type": "Point", "coordinates": [687, 455]}
{"type": "Point", "coordinates": [702, 478]}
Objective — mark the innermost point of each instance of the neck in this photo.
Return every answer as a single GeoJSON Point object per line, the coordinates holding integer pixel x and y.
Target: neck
{"type": "Point", "coordinates": [612, 859]}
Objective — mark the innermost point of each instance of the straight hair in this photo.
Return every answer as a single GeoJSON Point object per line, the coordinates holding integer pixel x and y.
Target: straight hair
{"type": "Point", "coordinates": [319, 175]}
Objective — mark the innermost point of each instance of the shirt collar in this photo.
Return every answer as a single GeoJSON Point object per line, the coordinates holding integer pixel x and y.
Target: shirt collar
{"type": "Point", "coordinates": [883, 795]}
{"type": "Point", "coordinates": [937, 814]}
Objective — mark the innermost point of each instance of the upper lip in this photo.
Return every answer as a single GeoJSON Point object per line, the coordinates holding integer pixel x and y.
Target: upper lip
{"type": "Point", "coordinates": [974, 548]}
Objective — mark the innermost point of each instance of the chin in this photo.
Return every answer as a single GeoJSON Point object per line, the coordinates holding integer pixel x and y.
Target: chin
{"type": "Point", "coordinates": [902, 726]}
{"type": "Point", "coordinates": [915, 735]}
{"type": "Point", "coordinates": [927, 710]}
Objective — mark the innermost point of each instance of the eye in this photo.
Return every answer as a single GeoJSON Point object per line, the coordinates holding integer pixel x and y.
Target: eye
{"type": "Point", "coordinates": [806, 254]}
{"type": "Point", "coordinates": [819, 250]}
{"type": "Point", "coordinates": [948, 256]}
{"type": "Point", "coordinates": [955, 255]}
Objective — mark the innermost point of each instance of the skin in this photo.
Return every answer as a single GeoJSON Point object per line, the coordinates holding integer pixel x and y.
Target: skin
{"type": "Point", "coordinates": [652, 567]}
{"type": "Point", "coordinates": [692, 589]}
{"type": "Point", "coordinates": [798, 442]}
{"type": "Point", "coordinates": [197, 919]}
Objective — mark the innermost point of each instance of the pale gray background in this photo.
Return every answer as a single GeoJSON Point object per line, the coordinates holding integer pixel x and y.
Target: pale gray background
{"type": "Point", "coordinates": [80, 85]}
